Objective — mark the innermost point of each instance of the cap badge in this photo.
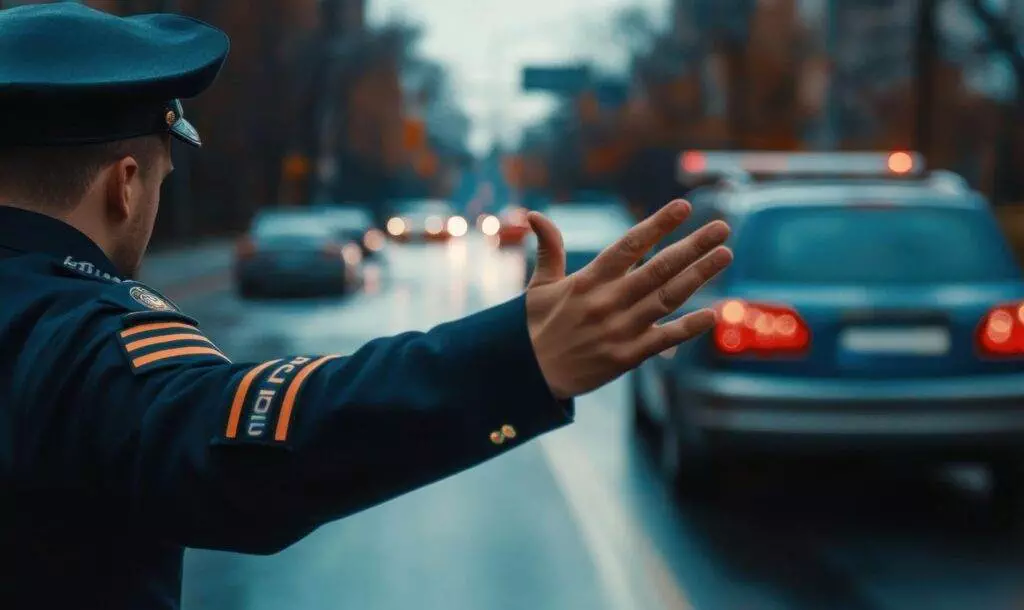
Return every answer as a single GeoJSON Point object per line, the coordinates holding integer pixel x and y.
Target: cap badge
{"type": "Point", "coordinates": [170, 117]}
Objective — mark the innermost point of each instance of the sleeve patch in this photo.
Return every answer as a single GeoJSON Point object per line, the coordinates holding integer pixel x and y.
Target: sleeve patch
{"type": "Point", "coordinates": [150, 344]}
{"type": "Point", "coordinates": [261, 410]}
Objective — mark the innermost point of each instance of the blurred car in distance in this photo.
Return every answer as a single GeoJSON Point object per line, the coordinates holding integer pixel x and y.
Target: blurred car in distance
{"type": "Point", "coordinates": [355, 222]}
{"type": "Point", "coordinates": [587, 229]}
{"type": "Point", "coordinates": [507, 228]}
{"type": "Point", "coordinates": [872, 310]}
{"type": "Point", "coordinates": [425, 220]}
{"type": "Point", "coordinates": [295, 252]}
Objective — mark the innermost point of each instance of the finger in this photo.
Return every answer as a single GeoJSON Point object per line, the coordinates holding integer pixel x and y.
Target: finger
{"type": "Point", "coordinates": [673, 294]}
{"type": "Point", "coordinates": [661, 269]}
{"type": "Point", "coordinates": [615, 260]}
{"type": "Point", "coordinates": [550, 250]}
{"type": "Point", "coordinates": [664, 336]}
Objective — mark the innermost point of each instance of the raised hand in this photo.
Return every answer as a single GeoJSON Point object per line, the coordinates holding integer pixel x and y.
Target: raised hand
{"type": "Point", "coordinates": [590, 327]}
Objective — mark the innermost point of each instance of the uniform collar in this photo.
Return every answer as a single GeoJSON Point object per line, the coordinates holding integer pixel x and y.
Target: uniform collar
{"type": "Point", "coordinates": [31, 232]}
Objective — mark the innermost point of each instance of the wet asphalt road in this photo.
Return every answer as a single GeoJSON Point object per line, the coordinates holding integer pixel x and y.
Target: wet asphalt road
{"type": "Point", "coordinates": [579, 519]}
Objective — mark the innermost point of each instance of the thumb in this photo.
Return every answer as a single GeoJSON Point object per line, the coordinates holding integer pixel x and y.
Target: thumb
{"type": "Point", "coordinates": [550, 251]}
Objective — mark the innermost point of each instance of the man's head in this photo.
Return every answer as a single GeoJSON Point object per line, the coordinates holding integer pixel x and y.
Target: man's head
{"type": "Point", "coordinates": [91, 101]}
{"type": "Point", "coordinates": [109, 191]}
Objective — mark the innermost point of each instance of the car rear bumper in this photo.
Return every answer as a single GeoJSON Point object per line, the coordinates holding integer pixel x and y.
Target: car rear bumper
{"type": "Point", "coordinates": [267, 279]}
{"type": "Point", "coordinates": [974, 414]}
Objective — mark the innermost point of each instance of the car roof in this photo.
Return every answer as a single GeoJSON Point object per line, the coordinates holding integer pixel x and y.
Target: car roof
{"type": "Point", "coordinates": [341, 206]}
{"type": "Point", "coordinates": [743, 199]}
{"type": "Point", "coordinates": [287, 213]}
{"type": "Point", "coordinates": [419, 202]}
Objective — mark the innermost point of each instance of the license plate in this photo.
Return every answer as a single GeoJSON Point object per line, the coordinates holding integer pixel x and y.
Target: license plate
{"type": "Point", "coordinates": [898, 341]}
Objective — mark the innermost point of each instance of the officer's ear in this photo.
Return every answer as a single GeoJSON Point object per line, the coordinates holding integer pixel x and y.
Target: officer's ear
{"type": "Point", "coordinates": [124, 188]}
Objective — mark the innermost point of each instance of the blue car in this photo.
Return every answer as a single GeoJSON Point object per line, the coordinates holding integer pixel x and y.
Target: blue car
{"type": "Point", "coordinates": [869, 314]}
{"type": "Point", "coordinates": [587, 227]}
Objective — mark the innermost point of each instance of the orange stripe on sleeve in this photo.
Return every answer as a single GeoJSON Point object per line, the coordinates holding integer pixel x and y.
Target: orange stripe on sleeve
{"type": "Point", "coordinates": [175, 353]}
{"type": "Point", "coordinates": [240, 394]}
{"type": "Point", "coordinates": [285, 416]}
{"type": "Point", "coordinates": [155, 326]}
{"type": "Point", "coordinates": [141, 343]}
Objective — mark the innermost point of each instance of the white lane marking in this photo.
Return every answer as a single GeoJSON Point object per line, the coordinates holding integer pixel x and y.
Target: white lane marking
{"type": "Point", "coordinates": [633, 573]}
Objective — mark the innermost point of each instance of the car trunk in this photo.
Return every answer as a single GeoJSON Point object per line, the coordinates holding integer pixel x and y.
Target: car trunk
{"type": "Point", "coordinates": [892, 332]}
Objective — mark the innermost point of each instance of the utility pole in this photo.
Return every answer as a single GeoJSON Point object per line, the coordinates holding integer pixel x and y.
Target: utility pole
{"type": "Point", "coordinates": [830, 129]}
{"type": "Point", "coordinates": [924, 67]}
{"type": "Point", "coordinates": [320, 97]}
{"type": "Point", "coordinates": [183, 203]}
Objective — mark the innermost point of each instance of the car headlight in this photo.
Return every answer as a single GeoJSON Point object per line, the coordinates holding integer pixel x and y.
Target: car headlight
{"type": "Point", "coordinates": [396, 226]}
{"type": "Point", "coordinates": [352, 254]}
{"type": "Point", "coordinates": [490, 225]}
{"type": "Point", "coordinates": [457, 226]}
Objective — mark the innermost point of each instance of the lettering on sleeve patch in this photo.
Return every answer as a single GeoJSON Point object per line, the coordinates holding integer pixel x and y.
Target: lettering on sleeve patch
{"type": "Point", "coordinates": [154, 342]}
{"type": "Point", "coordinates": [263, 403]}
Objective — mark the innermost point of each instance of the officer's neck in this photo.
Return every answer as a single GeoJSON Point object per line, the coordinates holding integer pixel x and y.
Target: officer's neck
{"type": "Point", "coordinates": [88, 217]}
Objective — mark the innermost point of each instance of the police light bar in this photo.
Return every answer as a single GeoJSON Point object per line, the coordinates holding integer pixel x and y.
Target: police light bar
{"type": "Point", "coordinates": [699, 163]}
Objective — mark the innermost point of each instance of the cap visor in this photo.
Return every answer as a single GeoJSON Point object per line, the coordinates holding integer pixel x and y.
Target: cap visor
{"type": "Point", "coordinates": [184, 131]}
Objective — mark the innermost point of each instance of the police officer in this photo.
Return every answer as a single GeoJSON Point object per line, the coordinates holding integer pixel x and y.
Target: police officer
{"type": "Point", "coordinates": [127, 435]}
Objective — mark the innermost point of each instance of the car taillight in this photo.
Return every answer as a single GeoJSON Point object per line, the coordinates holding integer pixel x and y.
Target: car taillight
{"type": "Point", "coordinates": [374, 240]}
{"type": "Point", "coordinates": [1001, 331]}
{"type": "Point", "coordinates": [245, 248]}
{"type": "Point", "coordinates": [759, 328]}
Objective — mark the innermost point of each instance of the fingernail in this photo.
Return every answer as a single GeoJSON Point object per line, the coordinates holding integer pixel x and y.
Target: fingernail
{"type": "Point", "coordinates": [680, 209]}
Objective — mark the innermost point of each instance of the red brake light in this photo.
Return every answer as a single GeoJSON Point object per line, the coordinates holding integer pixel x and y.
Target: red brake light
{"type": "Point", "coordinates": [1001, 331]}
{"type": "Point", "coordinates": [760, 328]}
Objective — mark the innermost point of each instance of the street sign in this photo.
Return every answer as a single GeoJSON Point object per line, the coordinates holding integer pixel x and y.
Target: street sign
{"type": "Point", "coordinates": [563, 80]}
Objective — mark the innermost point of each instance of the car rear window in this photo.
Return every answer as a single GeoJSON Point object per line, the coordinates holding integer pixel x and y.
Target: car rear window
{"type": "Point", "coordinates": [873, 244]}
{"type": "Point", "coordinates": [608, 219]}
{"type": "Point", "coordinates": [291, 226]}
{"type": "Point", "coordinates": [424, 208]}
{"type": "Point", "coordinates": [589, 228]}
{"type": "Point", "coordinates": [349, 219]}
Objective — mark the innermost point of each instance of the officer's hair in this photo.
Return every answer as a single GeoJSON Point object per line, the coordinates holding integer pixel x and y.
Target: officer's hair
{"type": "Point", "coordinates": [55, 178]}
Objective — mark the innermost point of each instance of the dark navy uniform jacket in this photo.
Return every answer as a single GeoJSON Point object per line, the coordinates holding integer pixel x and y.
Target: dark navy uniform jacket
{"type": "Point", "coordinates": [126, 434]}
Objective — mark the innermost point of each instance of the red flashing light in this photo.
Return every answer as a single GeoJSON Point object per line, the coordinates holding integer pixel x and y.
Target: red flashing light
{"type": "Point", "coordinates": [760, 328]}
{"type": "Point", "coordinates": [1001, 331]}
{"type": "Point", "coordinates": [901, 162]}
{"type": "Point", "coordinates": [694, 162]}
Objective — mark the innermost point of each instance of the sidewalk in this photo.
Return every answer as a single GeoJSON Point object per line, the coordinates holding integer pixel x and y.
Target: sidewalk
{"type": "Point", "coordinates": [177, 270]}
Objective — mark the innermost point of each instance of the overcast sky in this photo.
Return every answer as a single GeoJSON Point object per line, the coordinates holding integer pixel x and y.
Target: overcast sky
{"type": "Point", "coordinates": [485, 43]}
